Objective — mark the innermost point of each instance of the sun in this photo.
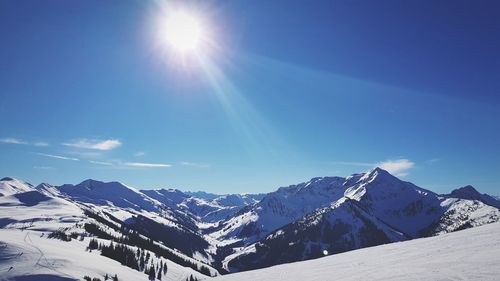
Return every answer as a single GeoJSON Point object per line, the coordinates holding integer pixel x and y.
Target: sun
{"type": "Point", "coordinates": [183, 31]}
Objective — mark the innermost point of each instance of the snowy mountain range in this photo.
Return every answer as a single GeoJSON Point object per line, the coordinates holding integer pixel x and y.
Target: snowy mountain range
{"type": "Point", "coordinates": [198, 234]}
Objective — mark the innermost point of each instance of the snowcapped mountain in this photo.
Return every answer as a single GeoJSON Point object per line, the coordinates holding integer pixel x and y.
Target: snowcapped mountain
{"type": "Point", "coordinates": [208, 207]}
{"type": "Point", "coordinates": [461, 214]}
{"type": "Point", "coordinates": [402, 205]}
{"type": "Point", "coordinates": [340, 227]}
{"type": "Point", "coordinates": [111, 193]}
{"type": "Point", "coordinates": [362, 210]}
{"type": "Point", "coordinates": [470, 193]}
{"type": "Point", "coordinates": [278, 208]}
{"type": "Point", "coordinates": [10, 186]}
{"type": "Point", "coordinates": [170, 197]}
{"type": "Point", "coordinates": [201, 234]}
{"type": "Point", "coordinates": [202, 195]}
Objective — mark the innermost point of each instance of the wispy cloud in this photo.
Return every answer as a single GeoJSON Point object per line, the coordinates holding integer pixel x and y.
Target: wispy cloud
{"type": "Point", "coordinates": [139, 153]}
{"type": "Point", "coordinates": [108, 144]}
{"type": "Point", "coordinates": [397, 167]}
{"type": "Point", "coordinates": [101, 163]}
{"type": "Point", "coordinates": [43, 168]}
{"type": "Point", "coordinates": [23, 142]}
{"type": "Point", "coordinates": [58, 157]}
{"type": "Point", "coordinates": [196, 165]}
{"type": "Point", "coordinates": [13, 141]}
{"type": "Point", "coordinates": [146, 165]}
{"type": "Point", "coordinates": [117, 164]}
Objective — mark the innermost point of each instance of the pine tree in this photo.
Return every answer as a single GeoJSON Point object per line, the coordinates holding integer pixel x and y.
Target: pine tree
{"type": "Point", "coordinates": [165, 268]}
{"type": "Point", "coordinates": [93, 244]}
{"type": "Point", "coordinates": [106, 277]}
{"type": "Point", "coordinates": [115, 278]}
{"type": "Point", "coordinates": [159, 275]}
{"type": "Point", "coordinates": [142, 263]}
{"type": "Point", "coordinates": [152, 272]}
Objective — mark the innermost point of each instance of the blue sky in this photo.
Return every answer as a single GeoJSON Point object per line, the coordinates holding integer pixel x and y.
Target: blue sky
{"type": "Point", "coordinates": [286, 91]}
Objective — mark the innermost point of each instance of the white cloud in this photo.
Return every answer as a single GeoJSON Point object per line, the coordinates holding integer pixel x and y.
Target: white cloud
{"type": "Point", "coordinates": [58, 157]}
{"type": "Point", "coordinates": [101, 163]}
{"type": "Point", "coordinates": [397, 167]}
{"type": "Point", "coordinates": [139, 153]}
{"type": "Point", "coordinates": [95, 144]}
{"type": "Point", "coordinates": [197, 165]}
{"type": "Point", "coordinates": [23, 142]}
{"type": "Point", "coordinates": [146, 165]}
{"type": "Point", "coordinates": [13, 141]}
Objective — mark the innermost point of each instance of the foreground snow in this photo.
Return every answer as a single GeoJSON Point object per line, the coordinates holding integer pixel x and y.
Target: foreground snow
{"type": "Point", "coordinates": [471, 254]}
{"type": "Point", "coordinates": [29, 255]}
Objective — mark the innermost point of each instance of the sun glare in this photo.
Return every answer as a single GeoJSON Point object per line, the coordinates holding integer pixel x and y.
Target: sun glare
{"type": "Point", "coordinates": [183, 31]}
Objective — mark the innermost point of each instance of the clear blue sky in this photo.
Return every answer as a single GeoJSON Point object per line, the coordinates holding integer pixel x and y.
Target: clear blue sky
{"type": "Point", "coordinates": [294, 89]}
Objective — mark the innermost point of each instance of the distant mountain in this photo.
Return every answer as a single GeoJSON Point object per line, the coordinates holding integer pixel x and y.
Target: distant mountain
{"type": "Point", "coordinates": [278, 208]}
{"type": "Point", "coordinates": [110, 193]}
{"type": "Point", "coordinates": [10, 186]}
{"type": "Point", "coordinates": [208, 207]}
{"type": "Point", "coordinates": [470, 193]}
{"type": "Point", "coordinates": [170, 197]}
{"type": "Point", "coordinates": [202, 195]}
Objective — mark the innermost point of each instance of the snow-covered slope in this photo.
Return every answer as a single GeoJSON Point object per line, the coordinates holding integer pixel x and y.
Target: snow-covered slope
{"type": "Point", "coordinates": [461, 214]}
{"type": "Point", "coordinates": [32, 214]}
{"type": "Point", "coordinates": [29, 255]}
{"type": "Point", "coordinates": [279, 208]}
{"type": "Point", "coordinates": [10, 186]}
{"type": "Point", "coordinates": [471, 254]}
{"type": "Point", "coordinates": [340, 227]}
{"type": "Point", "coordinates": [400, 204]}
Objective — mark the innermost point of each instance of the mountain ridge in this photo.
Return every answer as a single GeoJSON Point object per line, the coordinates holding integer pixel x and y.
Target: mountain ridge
{"type": "Point", "coordinates": [238, 232]}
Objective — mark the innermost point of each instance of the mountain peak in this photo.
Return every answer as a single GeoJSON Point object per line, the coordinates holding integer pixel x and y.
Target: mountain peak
{"type": "Point", "coordinates": [380, 171]}
{"type": "Point", "coordinates": [466, 192]}
{"type": "Point", "coordinates": [7, 179]}
{"type": "Point", "coordinates": [469, 188]}
{"type": "Point", "coordinates": [377, 173]}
